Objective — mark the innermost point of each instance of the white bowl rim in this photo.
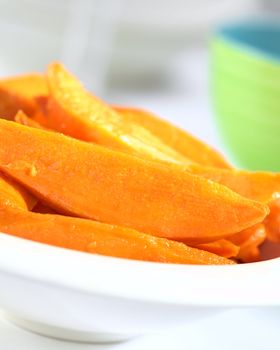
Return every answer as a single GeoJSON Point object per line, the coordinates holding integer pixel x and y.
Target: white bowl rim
{"type": "Point", "coordinates": [255, 284]}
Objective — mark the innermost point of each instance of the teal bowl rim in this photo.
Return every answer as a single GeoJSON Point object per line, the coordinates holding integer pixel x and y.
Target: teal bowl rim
{"type": "Point", "coordinates": [233, 34]}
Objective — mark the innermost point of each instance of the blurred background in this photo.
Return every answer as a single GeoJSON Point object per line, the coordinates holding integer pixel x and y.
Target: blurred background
{"type": "Point", "coordinates": [144, 53]}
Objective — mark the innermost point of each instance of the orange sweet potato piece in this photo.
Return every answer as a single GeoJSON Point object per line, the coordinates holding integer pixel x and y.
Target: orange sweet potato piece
{"type": "Point", "coordinates": [270, 250]}
{"type": "Point", "coordinates": [75, 112]}
{"type": "Point", "coordinates": [176, 138]}
{"type": "Point", "coordinates": [259, 186]}
{"type": "Point", "coordinates": [23, 119]}
{"type": "Point", "coordinates": [87, 180]}
{"type": "Point", "coordinates": [13, 195]}
{"type": "Point", "coordinates": [10, 103]}
{"type": "Point", "coordinates": [27, 85]}
{"type": "Point", "coordinates": [221, 247]}
{"type": "Point", "coordinates": [42, 208]}
{"type": "Point", "coordinates": [17, 93]}
{"type": "Point", "coordinates": [272, 222]}
{"type": "Point", "coordinates": [95, 237]}
{"type": "Point", "coordinates": [249, 241]}
{"type": "Point", "coordinates": [41, 114]}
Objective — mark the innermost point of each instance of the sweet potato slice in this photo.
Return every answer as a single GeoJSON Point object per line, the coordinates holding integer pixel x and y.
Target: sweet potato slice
{"type": "Point", "coordinates": [75, 112]}
{"type": "Point", "coordinates": [249, 241]}
{"type": "Point", "coordinates": [176, 138]}
{"type": "Point", "coordinates": [42, 208]}
{"type": "Point", "coordinates": [272, 222]}
{"type": "Point", "coordinates": [95, 237]}
{"type": "Point", "coordinates": [41, 114]}
{"type": "Point", "coordinates": [221, 247]}
{"type": "Point", "coordinates": [13, 195]}
{"type": "Point", "coordinates": [23, 119]}
{"type": "Point", "coordinates": [10, 103]}
{"type": "Point", "coordinates": [27, 85]}
{"type": "Point", "coordinates": [18, 93]}
{"type": "Point", "coordinates": [259, 186]}
{"type": "Point", "coordinates": [86, 180]}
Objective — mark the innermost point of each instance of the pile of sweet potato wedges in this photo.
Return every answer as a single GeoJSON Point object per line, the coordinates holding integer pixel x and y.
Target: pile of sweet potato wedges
{"type": "Point", "coordinates": [78, 173]}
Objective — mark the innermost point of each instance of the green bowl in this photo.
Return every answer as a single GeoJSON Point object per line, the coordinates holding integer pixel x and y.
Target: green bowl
{"type": "Point", "coordinates": [245, 80]}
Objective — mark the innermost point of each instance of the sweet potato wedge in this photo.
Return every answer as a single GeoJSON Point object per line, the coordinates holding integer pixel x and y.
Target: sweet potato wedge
{"type": "Point", "coordinates": [13, 195]}
{"type": "Point", "coordinates": [42, 208]}
{"type": "Point", "coordinates": [272, 222]}
{"type": "Point", "coordinates": [249, 241]}
{"type": "Point", "coordinates": [176, 138]}
{"type": "Point", "coordinates": [41, 114]}
{"type": "Point", "coordinates": [10, 103]}
{"type": "Point", "coordinates": [221, 247]}
{"type": "Point", "coordinates": [18, 93]}
{"type": "Point", "coordinates": [95, 237]}
{"type": "Point", "coordinates": [75, 112]}
{"type": "Point", "coordinates": [87, 180]}
{"type": "Point", "coordinates": [23, 119]}
{"type": "Point", "coordinates": [27, 85]}
{"type": "Point", "coordinates": [259, 186]}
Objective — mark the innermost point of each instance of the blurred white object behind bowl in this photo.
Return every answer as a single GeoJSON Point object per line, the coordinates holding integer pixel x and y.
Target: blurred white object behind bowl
{"type": "Point", "coordinates": [97, 38]}
{"type": "Point", "coordinates": [86, 297]}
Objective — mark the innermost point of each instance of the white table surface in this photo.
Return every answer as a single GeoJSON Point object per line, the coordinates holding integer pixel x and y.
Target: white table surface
{"type": "Point", "coordinates": [188, 106]}
{"type": "Point", "coordinates": [231, 330]}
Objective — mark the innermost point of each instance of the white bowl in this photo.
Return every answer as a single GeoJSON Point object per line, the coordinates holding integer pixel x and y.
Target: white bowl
{"type": "Point", "coordinates": [84, 297]}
